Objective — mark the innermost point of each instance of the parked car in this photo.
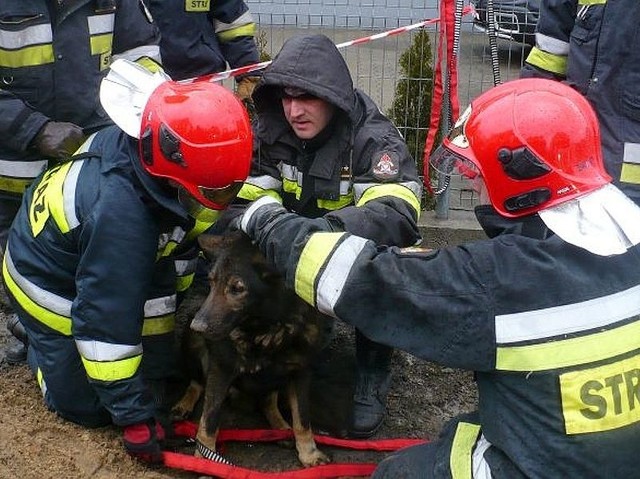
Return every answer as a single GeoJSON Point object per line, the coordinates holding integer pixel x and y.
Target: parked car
{"type": "Point", "coordinates": [515, 20]}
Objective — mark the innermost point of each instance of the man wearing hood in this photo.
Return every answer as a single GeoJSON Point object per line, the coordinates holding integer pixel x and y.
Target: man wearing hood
{"type": "Point", "coordinates": [325, 150]}
{"type": "Point", "coordinates": [545, 311]}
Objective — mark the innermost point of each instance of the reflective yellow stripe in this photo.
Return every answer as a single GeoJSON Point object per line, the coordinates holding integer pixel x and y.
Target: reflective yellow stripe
{"type": "Point", "coordinates": [112, 370]}
{"type": "Point", "coordinates": [15, 185]}
{"type": "Point", "coordinates": [55, 321]}
{"type": "Point", "coordinates": [344, 200]}
{"type": "Point", "coordinates": [547, 61]}
{"type": "Point", "coordinates": [630, 173]}
{"type": "Point", "coordinates": [569, 352]}
{"type": "Point", "coordinates": [159, 325]}
{"type": "Point", "coordinates": [48, 200]}
{"type": "Point", "coordinates": [184, 282]}
{"type": "Point", "coordinates": [313, 257]}
{"type": "Point", "coordinates": [248, 30]}
{"type": "Point", "coordinates": [26, 57]}
{"type": "Point", "coordinates": [390, 189]}
{"type": "Point", "coordinates": [251, 193]}
{"type": "Point", "coordinates": [461, 450]}
{"type": "Point", "coordinates": [592, 2]}
{"type": "Point", "coordinates": [101, 43]}
{"type": "Point", "coordinates": [291, 187]}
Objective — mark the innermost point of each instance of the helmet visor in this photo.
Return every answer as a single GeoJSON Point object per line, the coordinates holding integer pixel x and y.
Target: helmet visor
{"type": "Point", "coordinates": [221, 197]}
{"type": "Point", "coordinates": [208, 199]}
{"type": "Point", "coordinates": [462, 175]}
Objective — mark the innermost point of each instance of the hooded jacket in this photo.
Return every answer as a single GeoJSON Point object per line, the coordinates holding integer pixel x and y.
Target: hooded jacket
{"type": "Point", "coordinates": [357, 173]}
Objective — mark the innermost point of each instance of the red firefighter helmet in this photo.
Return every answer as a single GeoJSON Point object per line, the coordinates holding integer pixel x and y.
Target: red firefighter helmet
{"type": "Point", "coordinates": [534, 142]}
{"type": "Point", "coordinates": [199, 136]}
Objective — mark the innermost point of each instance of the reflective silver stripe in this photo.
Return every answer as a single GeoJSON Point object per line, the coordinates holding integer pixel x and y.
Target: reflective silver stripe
{"type": "Point", "coordinates": [101, 351]}
{"type": "Point", "coordinates": [244, 19]}
{"type": "Point", "coordinates": [69, 194]}
{"type": "Point", "coordinates": [50, 301]}
{"type": "Point", "coordinates": [265, 182]}
{"type": "Point", "coordinates": [176, 236]}
{"type": "Point", "coordinates": [479, 467]}
{"type": "Point", "coordinates": [186, 266]}
{"type": "Point", "coordinates": [631, 153]}
{"type": "Point", "coordinates": [160, 306]}
{"type": "Point", "coordinates": [22, 169]}
{"type": "Point", "coordinates": [35, 35]}
{"type": "Point", "coordinates": [552, 45]}
{"type": "Point", "coordinates": [101, 23]}
{"type": "Point", "coordinates": [360, 188]}
{"type": "Point", "coordinates": [70, 184]}
{"type": "Point", "coordinates": [336, 271]}
{"type": "Point", "coordinates": [291, 173]}
{"type": "Point", "coordinates": [151, 51]}
{"type": "Point", "coordinates": [570, 318]}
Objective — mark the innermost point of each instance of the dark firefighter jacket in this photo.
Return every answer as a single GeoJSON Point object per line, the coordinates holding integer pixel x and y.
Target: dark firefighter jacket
{"type": "Point", "coordinates": [596, 47]}
{"type": "Point", "coordinates": [51, 63]}
{"type": "Point", "coordinates": [91, 256]}
{"type": "Point", "coordinates": [200, 37]}
{"type": "Point", "coordinates": [551, 330]}
{"type": "Point", "coordinates": [360, 175]}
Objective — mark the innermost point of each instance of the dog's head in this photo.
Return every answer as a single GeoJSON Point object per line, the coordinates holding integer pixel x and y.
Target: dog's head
{"type": "Point", "coordinates": [245, 292]}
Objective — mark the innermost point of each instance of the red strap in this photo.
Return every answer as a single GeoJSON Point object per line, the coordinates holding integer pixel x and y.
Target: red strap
{"type": "Point", "coordinates": [447, 11]}
{"type": "Point", "coordinates": [204, 466]}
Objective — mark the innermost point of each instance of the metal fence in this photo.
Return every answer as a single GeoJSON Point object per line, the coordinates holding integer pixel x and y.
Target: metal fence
{"type": "Point", "coordinates": [375, 64]}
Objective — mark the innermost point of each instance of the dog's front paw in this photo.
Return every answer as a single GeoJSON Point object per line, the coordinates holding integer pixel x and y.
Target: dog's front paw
{"type": "Point", "coordinates": [313, 457]}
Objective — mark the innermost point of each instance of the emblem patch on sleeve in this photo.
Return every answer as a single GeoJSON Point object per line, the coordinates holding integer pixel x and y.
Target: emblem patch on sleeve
{"type": "Point", "coordinates": [386, 165]}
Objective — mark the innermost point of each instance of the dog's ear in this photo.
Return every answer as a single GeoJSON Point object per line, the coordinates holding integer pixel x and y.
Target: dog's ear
{"type": "Point", "coordinates": [210, 243]}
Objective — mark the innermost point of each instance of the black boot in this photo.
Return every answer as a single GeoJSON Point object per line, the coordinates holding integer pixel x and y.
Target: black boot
{"type": "Point", "coordinates": [16, 350]}
{"type": "Point", "coordinates": [373, 380]}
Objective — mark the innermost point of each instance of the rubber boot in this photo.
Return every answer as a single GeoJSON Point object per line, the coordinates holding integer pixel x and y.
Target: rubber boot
{"type": "Point", "coordinates": [16, 350]}
{"type": "Point", "coordinates": [373, 380]}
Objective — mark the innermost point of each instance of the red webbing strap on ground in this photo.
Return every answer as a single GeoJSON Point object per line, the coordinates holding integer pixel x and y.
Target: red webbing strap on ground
{"type": "Point", "coordinates": [204, 466]}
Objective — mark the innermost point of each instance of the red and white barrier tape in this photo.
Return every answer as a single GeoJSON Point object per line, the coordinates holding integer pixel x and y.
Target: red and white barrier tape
{"type": "Point", "coordinates": [358, 41]}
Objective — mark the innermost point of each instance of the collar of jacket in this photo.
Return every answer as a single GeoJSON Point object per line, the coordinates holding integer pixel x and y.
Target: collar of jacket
{"type": "Point", "coordinates": [495, 224]}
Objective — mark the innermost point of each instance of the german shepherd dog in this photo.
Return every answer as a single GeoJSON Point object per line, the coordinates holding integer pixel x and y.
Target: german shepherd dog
{"type": "Point", "coordinates": [254, 334]}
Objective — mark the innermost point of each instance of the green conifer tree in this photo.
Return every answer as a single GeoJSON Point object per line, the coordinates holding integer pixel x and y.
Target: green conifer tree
{"type": "Point", "coordinates": [411, 108]}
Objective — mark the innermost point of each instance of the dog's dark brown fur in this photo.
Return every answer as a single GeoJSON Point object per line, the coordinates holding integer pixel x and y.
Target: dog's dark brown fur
{"type": "Point", "coordinates": [253, 333]}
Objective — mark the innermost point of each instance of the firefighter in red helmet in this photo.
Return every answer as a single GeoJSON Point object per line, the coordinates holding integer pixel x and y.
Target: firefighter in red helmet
{"type": "Point", "coordinates": [545, 311]}
{"type": "Point", "coordinates": [91, 263]}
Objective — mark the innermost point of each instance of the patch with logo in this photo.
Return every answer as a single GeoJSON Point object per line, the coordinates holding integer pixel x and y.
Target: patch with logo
{"type": "Point", "coordinates": [386, 165]}
{"type": "Point", "coordinates": [197, 5]}
{"type": "Point", "coordinates": [601, 398]}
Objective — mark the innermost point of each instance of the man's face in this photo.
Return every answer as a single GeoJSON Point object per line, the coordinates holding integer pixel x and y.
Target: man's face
{"type": "Point", "coordinates": [308, 115]}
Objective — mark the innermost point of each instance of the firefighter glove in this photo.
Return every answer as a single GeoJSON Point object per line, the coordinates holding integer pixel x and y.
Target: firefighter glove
{"type": "Point", "coordinates": [59, 140]}
{"type": "Point", "coordinates": [245, 87]}
{"type": "Point", "coordinates": [142, 440]}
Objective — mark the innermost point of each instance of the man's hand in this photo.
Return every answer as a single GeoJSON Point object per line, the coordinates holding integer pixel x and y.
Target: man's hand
{"type": "Point", "coordinates": [245, 87]}
{"type": "Point", "coordinates": [59, 139]}
{"type": "Point", "coordinates": [142, 440]}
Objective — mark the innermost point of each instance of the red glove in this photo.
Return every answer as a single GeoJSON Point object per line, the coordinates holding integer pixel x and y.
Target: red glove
{"type": "Point", "coordinates": [142, 440]}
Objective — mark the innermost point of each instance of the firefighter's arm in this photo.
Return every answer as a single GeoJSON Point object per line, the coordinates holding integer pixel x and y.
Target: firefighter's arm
{"type": "Point", "coordinates": [136, 37]}
{"type": "Point", "coordinates": [548, 58]}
